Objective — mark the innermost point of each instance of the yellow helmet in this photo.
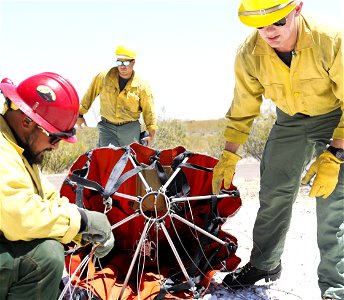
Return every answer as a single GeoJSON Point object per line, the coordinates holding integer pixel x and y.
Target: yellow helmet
{"type": "Point", "coordinates": [260, 13]}
{"type": "Point", "coordinates": [125, 53]}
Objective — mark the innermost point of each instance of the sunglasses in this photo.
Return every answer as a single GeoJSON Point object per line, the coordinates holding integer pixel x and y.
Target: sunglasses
{"type": "Point", "coordinates": [281, 22]}
{"type": "Point", "coordinates": [57, 136]}
{"type": "Point", "coordinates": [125, 63]}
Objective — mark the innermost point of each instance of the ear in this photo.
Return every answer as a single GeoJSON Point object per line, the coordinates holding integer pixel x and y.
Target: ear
{"type": "Point", "coordinates": [298, 9]}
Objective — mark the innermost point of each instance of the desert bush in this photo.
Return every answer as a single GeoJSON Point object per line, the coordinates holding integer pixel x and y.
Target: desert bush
{"type": "Point", "coordinates": [62, 159]}
{"type": "Point", "coordinates": [197, 136]}
{"type": "Point", "coordinates": [209, 140]}
{"type": "Point", "coordinates": [171, 133]}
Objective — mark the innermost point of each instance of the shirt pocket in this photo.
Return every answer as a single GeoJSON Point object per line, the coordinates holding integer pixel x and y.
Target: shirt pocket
{"type": "Point", "coordinates": [317, 94]}
{"type": "Point", "coordinates": [315, 87]}
{"type": "Point", "coordinates": [132, 102]}
{"type": "Point", "coordinates": [274, 91]}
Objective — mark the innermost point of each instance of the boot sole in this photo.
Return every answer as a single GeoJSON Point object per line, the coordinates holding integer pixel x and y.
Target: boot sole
{"type": "Point", "coordinates": [268, 278]}
{"type": "Point", "coordinates": [272, 277]}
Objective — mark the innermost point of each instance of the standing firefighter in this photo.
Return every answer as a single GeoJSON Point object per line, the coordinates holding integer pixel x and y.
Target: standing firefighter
{"type": "Point", "coordinates": [123, 96]}
{"type": "Point", "coordinates": [34, 219]}
{"type": "Point", "coordinates": [299, 65]}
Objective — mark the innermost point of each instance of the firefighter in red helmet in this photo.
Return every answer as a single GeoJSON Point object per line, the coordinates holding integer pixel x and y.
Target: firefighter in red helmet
{"type": "Point", "coordinates": [35, 220]}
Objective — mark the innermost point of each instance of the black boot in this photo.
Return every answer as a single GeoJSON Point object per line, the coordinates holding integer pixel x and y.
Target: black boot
{"type": "Point", "coordinates": [249, 275]}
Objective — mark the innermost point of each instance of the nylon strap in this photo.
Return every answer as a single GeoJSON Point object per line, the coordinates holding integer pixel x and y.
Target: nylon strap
{"type": "Point", "coordinates": [171, 287]}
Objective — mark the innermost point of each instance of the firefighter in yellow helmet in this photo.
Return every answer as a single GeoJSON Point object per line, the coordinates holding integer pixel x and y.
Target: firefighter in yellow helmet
{"type": "Point", "coordinates": [298, 64]}
{"type": "Point", "coordinates": [123, 97]}
{"type": "Point", "coordinates": [34, 220]}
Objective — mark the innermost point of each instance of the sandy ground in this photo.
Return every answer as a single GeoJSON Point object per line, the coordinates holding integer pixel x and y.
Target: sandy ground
{"type": "Point", "coordinates": [301, 256]}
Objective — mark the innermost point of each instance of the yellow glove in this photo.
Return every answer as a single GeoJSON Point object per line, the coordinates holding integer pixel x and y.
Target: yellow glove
{"type": "Point", "coordinates": [224, 170]}
{"type": "Point", "coordinates": [326, 170]}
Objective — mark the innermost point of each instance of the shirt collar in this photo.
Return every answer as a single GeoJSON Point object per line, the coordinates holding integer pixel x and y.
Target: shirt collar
{"type": "Point", "coordinates": [114, 75]}
{"type": "Point", "coordinates": [8, 135]}
{"type": "Point", "coordinates": [304, 39]}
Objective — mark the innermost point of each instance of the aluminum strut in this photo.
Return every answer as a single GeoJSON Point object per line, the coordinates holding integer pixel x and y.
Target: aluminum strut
{"type": "Point", "coordinates": [127, 219]}
{"type": "Point", "coordinates": [138, 249]}
{"type": "Point", "coordinates": [197, 228]}
{"type": "Point", "coordinates": [164, 187]}
{"type": "Point", "coordinates": [175, 251]}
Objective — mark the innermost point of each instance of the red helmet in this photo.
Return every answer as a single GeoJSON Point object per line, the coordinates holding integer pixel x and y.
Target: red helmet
{"type": "Point", "coordinates": [48, 99]}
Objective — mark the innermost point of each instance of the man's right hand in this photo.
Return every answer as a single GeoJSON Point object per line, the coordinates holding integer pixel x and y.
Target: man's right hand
{"type": "Point", "coordinates": [96, 229]}
{"type": "Point", "coordinates": [224, 170]}
{"type": "Point", "coordinates": [80, 122]}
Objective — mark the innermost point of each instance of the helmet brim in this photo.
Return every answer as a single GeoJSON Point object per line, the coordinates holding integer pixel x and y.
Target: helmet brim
{"type": "Point", "coordinates": [10, 91]}
{"type": "Point", "coordinates": [124, 57]}
{"type": "Point", "coordinates": [258, 21]}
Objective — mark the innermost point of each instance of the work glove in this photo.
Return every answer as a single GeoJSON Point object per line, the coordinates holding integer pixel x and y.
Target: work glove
{"type": "Point", "coordinates": [95, 228]}
{"type": "Point", "coordinates": [326, 170]}
{"type": "Point", "coordinates": [224, 170]}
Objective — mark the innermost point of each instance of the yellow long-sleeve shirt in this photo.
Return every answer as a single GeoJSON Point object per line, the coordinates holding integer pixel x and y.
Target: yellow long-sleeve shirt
{"type": "Point", "coordinates": [313, 85]}
{"type": "Point", "coordinates": [121, 106]}
{"type": "Point", "coordinates": [30, 207]}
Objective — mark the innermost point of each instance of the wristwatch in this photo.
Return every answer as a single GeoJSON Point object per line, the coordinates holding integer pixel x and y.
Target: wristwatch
{"type": "Point", "coordinates": [80, 116]}
{"type": "Point", "coordinates": [337, 152]}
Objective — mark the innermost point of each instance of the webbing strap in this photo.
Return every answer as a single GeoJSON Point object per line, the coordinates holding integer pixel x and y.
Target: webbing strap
{"type": "Point", "coordinates": [78, 176]}
{"type": "Point", "coordinates": [116, 173]}
{"type": "Point", "coordinates": [115, 179]}
{"type": "Point", "coordinates": [171, 287]}
{"type": "Point", "coordinates": [196, 167]}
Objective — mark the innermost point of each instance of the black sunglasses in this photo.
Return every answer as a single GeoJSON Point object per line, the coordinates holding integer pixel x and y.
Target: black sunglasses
{"type": "Point", "coordinates": [57, 136]}
{"type": "Point", "coordinates": [125, 63]}
{"type": "Point", "coordinates": [281, 22]}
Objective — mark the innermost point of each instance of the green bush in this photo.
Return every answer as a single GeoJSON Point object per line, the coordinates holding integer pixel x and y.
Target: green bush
{"type": "Point", "coordinates": [197, 136]}
{"type": "Point", "coordinates": [171, 133]}
{"type": "Point", "coordinates": [62, 159]}
{"type": "Point", "coordinates": [208, 141]}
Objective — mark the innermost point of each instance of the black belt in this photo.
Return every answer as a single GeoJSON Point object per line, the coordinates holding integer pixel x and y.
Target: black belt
{"type": "Point", "coordinates": [114, 123]}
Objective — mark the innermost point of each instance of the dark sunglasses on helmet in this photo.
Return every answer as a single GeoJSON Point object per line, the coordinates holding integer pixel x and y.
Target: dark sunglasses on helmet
{"type": "Point", "coordinates": [125, 63]}
{"type": "Point", "coordinates": [57, 136]}
{"type": "Point", "coordinates": [281, 22]}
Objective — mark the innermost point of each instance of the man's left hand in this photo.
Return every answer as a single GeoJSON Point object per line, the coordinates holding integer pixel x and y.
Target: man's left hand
{"type": "Point", "coordinates": [326, 170]}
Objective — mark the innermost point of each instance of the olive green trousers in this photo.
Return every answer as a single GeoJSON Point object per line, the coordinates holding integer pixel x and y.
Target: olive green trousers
{"type": "Point", "coordinates": [30, 270]}
{"type": "Point", "coordinates": [118, 135]}
{"type": "Point", "coordinates": [290, 147]}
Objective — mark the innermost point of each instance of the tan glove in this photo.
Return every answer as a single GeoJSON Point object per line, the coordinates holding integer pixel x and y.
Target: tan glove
{"type": "Point", "coordinates": [326, 170]}
{"type": "Point", "coordinates": [224, 170]}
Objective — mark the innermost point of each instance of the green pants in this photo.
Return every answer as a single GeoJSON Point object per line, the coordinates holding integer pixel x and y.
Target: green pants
{"type": "Point", "coordinates": [30, 270]}
{"type": "Point", "coordinates": [290, 147]}
{"type": "Point", "coordinates": [118, 136]}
